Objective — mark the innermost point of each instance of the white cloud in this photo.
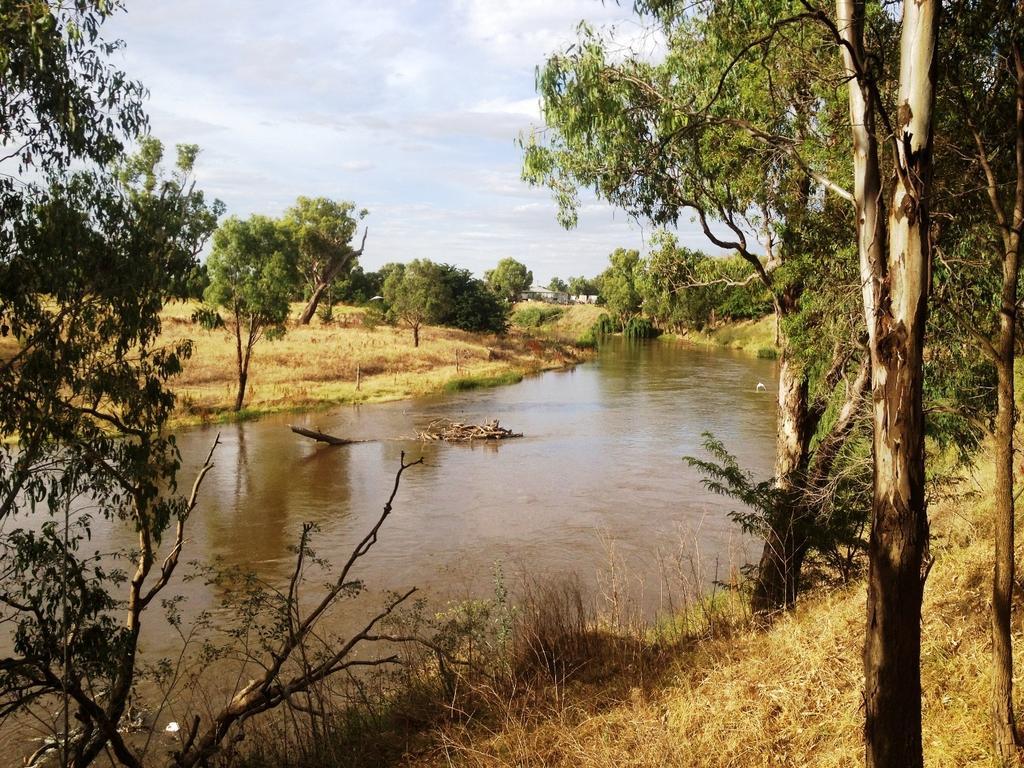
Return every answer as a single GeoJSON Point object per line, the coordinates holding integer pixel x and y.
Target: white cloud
{"type": "Point", "coordinates": [410, 108]}
{"type": "Point", "coordinates": [356, 166]}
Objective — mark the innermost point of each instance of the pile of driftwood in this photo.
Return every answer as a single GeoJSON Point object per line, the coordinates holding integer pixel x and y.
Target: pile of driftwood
{"type": "Point", "coordinates": [454, 432]}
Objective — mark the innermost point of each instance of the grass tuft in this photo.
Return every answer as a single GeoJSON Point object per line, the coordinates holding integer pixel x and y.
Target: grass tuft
{"type": "Point", "coordinates": [464, 383]}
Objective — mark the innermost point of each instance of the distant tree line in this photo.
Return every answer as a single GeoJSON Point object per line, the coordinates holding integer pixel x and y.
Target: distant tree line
{"type": "Point", "coordinates": [673, 288]}
{"type": "Point", "coordinates": [259, 265]}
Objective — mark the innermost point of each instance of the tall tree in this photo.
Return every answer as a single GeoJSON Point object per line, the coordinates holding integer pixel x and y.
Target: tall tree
{"type": "Point", "coordinates": [251, 276]}
{"type": "Point", "coordinates": [620, 284]}
{"type": "Point", "coordinates": [582, 286]}
{"type": "Point", "coordinates": [980, 199]}
{"type": "Point", "coordinates": [184, 212]}
{"type": "Point", "coordinates": [86, 262]}
{"type": "Point", "coordinates": [509, 279]}
{"type": "Point", "coordinates": [895, 260]}
{"type": "Point", "coordinates": [417, 294]}
{"type": "Point", "coordinates": [731, 127]}
{"type": "Point", "coordinates": [323, 230]}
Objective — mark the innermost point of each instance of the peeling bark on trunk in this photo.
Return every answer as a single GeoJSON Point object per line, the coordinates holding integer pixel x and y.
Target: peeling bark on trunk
{"type": "Point", "coordinates": [778, 570]}
{"type": "Point", "coordinates": [894, 274]}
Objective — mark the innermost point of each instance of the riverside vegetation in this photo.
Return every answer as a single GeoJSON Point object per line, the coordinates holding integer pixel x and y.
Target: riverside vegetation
{"type": "Point", "coordinates": [357, 358]}
{"type": "Point", "coordinates": [562, 679]}
{"type": "Point", "coordinates": [864, 168]}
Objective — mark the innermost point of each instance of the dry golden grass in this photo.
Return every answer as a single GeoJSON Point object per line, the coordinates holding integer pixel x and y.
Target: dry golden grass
{"type": "Point", "coordinates": [317, 364]}
{"type": "Point", "coordinates": [786, 696]}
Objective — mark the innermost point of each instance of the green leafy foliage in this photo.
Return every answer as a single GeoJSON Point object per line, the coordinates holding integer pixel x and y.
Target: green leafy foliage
{"type": "Point", "coordinates": [620, 285]}
{"type": "Point", "coordinates": [683, 288]}
{"type": "Point", "coordinates": [474, 306]}
{"type": "Point", "coordinates": [603, 326]}
{"type": "Point", "coordinates": [252, 274]}
{"type": "Point", "coordinates": [55, 113]}
{"type": "Point", "coordinates": [358, 286]}
{"type": "Point", "coordinates": [416, 294]}
{"type": "Point", "coordinates": [87, 261]}
{"type": "Point", "coordinates": [509, 279]}
{"type": "Point", "coordinates": [830, 533]}
{"type": "Point", "coordinates": [323, 231]}
{"type": "Point", "coordinates": [535, 317]}
{"type": "Point", "coordinates": [583, 286]}
{"type": "Point", "coordinates": [423, 292]}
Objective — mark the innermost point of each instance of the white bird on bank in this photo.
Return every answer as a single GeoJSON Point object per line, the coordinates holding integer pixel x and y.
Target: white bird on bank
{"type": "Point", "coordinates": [761, 387]}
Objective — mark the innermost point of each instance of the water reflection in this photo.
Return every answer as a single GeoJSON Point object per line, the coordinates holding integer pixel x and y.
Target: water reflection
{"type": "Point", "coordinates": [600, 463]}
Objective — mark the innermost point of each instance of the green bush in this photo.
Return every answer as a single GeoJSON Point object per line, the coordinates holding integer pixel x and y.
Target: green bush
{"type": "Point", "coordinates": [325, 312]}
{"type": "Point", "coordinates": [768, 353]}
{"type": "Point", "coordinates": [373, 316]}
{"type": "Point", "coordinates": [535, 317]}
{"type": "Point", "coordinates": [640, 328]}
{"type": "Point", "coordinates": [602, 327]}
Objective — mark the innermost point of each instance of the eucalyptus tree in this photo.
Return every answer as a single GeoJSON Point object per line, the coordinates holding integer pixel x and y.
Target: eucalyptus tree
{"type": "Point", "coordinates": [620, 285]}
{"type": "Point", "coordinates": [582, 286]}
{"type": "Point", "coordinates": [894, 245]}
{"type": "Point", "coordinates": [323, 230]}
{"type": "Point", "coordinates": [734, 127]}
{"type": "Point", "coordinates": [180, 206]}
{"type": "Point", "coordinates": [417, 293]}
{"type": "Point", "coordinates": [251, 277]}
{"type": "Point", "coordinates": [689, 289]}
{"type": "Point", "coordinates": [509, 279]}
{"type": "Point", "coordinates": [86, 262]}
{"type": "Point", "coordinates": [979, 205]}
{"type": "Point", "coordinates": [84, 388]}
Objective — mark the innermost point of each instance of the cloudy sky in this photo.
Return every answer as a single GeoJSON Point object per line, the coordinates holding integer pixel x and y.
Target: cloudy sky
{"type": "Point", "coordinates": [410, 108]}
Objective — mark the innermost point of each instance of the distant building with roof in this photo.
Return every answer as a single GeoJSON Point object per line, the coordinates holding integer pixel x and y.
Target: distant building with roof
{"type": "Point", "coordinates": [536, 293]}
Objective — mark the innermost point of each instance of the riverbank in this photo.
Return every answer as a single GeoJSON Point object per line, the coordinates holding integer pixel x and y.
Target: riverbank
{"type": "Point", "coordinates": [568, 323]}
{"type": "Point", "coordinates": [349, 360]}
{"type": "Point", "coordinates": [789, 696]}
{"type": "Point", "coordinates": [719, 692]}
{"type": "Point", "coordinates": [755, 337]}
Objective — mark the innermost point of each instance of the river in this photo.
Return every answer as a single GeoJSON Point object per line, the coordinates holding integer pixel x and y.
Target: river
{"type": "Point", "coordinates": [600, 468]}
{"type": "Point", "coordinates": [598, 478]}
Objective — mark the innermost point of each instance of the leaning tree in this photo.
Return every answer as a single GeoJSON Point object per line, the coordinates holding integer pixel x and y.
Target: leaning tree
{"type": "Point", "coordinates": [324, 232]}
{"type": "Point", "coordinates": [734, 127]}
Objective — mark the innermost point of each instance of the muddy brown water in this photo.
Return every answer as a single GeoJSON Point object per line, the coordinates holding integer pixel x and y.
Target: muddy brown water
{"type": "Point", "coordinates": [598, 477]}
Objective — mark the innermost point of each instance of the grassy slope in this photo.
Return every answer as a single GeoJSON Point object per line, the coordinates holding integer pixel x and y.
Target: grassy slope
{"type": "Point", "coordinates": [572, 324]}
{"type": "Point", "coordinates": [788, 696]}
{"type": "Point", "coordinates": [317, 364]}
{"type": "Point", "coordinates": [746, 335]}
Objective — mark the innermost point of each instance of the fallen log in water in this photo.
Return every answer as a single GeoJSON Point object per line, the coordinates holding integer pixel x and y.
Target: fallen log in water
{"type": "Point", "coordinates": [454, 432]}
{"type": "Point", "coordinates": [321, 437]}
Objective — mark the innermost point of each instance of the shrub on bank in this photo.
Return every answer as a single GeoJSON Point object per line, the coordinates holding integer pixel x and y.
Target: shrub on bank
{"type": "Point", "coordinates": [534, 317]}
{"type": "Point", "coordinates": [640, 328]}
